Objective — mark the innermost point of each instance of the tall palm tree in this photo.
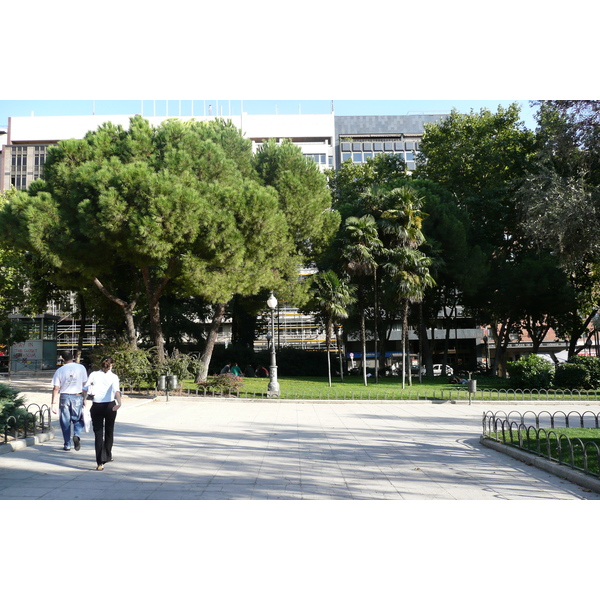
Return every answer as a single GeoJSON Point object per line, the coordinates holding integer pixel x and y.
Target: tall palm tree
{"type": "Point", "coordinates": [331, 298]}
{"type": "Point", "coordinates": [360, 255]}
{"type": "Point", "coordinates": [407, 267]}
{"type": "Point", "coordinates": [410, 277]}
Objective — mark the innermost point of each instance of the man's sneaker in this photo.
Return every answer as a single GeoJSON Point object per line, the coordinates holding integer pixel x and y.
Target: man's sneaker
{"type": "Point", "coordinates": [77, 442]}
{"type": "Point", "coordinates": [66, 448]}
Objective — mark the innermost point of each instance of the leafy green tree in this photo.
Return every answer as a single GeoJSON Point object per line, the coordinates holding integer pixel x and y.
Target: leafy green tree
{"type": "Point", "coordinates": [177, 206]}
{"type": "Point", "coordinates": [560, 202]}
{"type": "Point", "coordinates": [481, 160]}
{"type": "Point", "coordinates": [303, 195]}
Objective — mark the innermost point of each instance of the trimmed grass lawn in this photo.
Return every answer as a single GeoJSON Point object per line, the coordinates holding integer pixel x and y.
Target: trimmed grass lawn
{"type": "Point", "coordinates": [489, 389]}
{"type": "Point", "coordinates": [580, 438]}
{"type": "Point", "coordinates": [353, 388]}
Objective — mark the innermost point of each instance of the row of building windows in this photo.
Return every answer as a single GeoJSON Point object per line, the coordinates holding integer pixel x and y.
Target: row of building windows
{"type": "Point", "coordinates": [320, 159]}
{"type": "Point", "coordinates": [362, 157]}
{"type": "Point", "coordinates": [390, 146]}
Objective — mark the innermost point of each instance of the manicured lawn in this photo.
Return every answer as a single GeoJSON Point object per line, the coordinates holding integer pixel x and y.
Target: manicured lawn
{"type": "Point", "coordinates": [489, 389]}
{"type": "Point", "coordinates": [353, 388]}
{"type": "Point", "coordinates": [580, 438]}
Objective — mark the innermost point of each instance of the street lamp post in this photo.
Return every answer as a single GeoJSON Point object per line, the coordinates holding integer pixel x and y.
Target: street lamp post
{"type": "Point", "coordinates": [273, 389]}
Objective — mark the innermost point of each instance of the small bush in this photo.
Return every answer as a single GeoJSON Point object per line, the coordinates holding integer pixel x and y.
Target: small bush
{"type": "Point", "coordinates": [11, 405]}
{"type": "Point", "coordinates": [591, 364]}
{"type": "Point", "coordinates": [132, 366]}
{"type": "Point", "coordinates": [570, 376]}
{"type": "Point", "coordinates": [222, 384]}
{"type": "Point", "coordinates": [183, 366]}
{"type": "Point", "coordinates": [531, 372]}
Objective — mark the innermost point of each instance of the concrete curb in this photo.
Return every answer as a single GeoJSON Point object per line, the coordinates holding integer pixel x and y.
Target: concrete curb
{"type": "Point", "coordinates": [562, 471]}
{"type": "Point", "coordinates": [202, 398]}
{"type": "Point", "coordinates": [26, 442]}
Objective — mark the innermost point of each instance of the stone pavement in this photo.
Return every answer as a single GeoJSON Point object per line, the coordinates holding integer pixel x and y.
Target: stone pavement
{"type": "Point", "coordinates": [229, 449]}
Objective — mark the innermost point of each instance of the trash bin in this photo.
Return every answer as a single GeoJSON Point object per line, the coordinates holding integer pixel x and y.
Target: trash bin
{"type": "Point", "coordinates": [162, 383]}
{"type": "Point", "coordinates": [172, 381]}
{"type": "Point", "coordinates": [472, 383]}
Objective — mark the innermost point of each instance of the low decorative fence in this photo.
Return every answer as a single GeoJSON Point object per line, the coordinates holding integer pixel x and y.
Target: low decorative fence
{"type": "Point", "coordinates": [535, 433]}
{"type": "Point", "coordinates": [409, 393]}
{"type": "Point", "coordinates": [37, 419]}
{"type": "Point", "coordinates": [508, 395]}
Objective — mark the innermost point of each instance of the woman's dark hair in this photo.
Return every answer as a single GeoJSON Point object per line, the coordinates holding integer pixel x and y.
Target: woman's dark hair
{"type": "Point", "coordinates": [107, 363]}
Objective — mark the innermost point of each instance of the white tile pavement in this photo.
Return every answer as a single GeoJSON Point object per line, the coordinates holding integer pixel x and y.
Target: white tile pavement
{"type": "Point", "coordinates": [207, 450]}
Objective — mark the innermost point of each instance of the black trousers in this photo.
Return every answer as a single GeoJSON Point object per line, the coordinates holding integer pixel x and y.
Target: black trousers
{"type": "Point", "coordinates": [103, 423]}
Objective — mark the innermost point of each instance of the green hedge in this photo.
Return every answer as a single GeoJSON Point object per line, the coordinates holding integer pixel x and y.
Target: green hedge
{"type": "Point", "coordinates": [531, 372]}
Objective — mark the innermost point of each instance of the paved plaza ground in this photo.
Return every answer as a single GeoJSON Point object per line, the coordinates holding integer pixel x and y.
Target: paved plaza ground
{"type": "Point", "coordinates": [240, 450]}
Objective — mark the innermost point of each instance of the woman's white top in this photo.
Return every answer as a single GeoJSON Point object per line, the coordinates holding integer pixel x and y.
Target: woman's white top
{"type": "Point", "coordinates": [103, 386]}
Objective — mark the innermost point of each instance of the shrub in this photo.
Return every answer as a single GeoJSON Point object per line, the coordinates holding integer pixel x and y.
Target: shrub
{"type": "Point", "coordinates": [132, 366]}
{"type": "Point", "coordinates": [11, 405]}
{"type": "Point", "coordinates": [531, 372]}
{"type": "Point", "coordinates": [183, 366]}
{"type": "Point", "coordinates": [570, 376]}
{"type": "Point", "coordinates": [591, 364]}
{"type": "Point", "coordinates": [222, 384]}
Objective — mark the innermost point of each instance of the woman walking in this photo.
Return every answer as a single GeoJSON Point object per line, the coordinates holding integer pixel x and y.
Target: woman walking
{"type": "Point", "coordinates": [103, 389]}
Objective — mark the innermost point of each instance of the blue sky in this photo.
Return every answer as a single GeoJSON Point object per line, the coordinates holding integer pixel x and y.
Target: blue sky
{"type": "Point", "coordinates": [25, 108]}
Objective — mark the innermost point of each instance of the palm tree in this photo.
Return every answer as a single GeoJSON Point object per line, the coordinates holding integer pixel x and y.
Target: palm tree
{"type": "Point", "coordinates": [331, 298]}
{"type": "Point", "coordinates": [360, 261]}
{"type": "Point", "coordinates": [406, 265]}
{"type": "Point", "coordinates": [410, 277]}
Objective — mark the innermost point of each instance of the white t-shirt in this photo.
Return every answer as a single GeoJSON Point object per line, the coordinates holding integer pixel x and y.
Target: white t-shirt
{"type": "Point", "coordinates": [103, 386]}
{"type": "Point", "coordinates": [71, 378]}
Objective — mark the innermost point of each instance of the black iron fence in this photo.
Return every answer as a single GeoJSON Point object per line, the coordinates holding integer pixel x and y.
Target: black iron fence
{"type": "Point", "coordinates": [36, 419]}
{"type": "Point", "coordinates": [536, 433]}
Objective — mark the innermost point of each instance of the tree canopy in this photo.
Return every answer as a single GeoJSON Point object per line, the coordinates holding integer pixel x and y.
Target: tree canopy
{"type": "Point", "coordinates": [179, 207]}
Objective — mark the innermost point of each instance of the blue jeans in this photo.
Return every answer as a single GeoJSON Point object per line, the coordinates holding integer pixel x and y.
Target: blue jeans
{"type": "Point", "coordinates": [71, 406]}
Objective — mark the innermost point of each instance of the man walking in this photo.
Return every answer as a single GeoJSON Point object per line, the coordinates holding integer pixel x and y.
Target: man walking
{"type": "Point", "coordinates": [68, 382]}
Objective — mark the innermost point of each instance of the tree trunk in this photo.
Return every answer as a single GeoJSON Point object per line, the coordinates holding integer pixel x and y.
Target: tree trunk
{"type": "Point", "coordinates": [405, 362]}
{"type": "Point", "coordinates": [154, 293]}
{"type": "Point", "coordinates": [338, 338]}
{"type": "Point", "coordinates": [128, 308]}
{"type": "Point", "coordinates": [363, 338]}
{"type": "Point", "coordinates": [327, 346]}
{"type": "Point", "coordinates": [210, 341]}
{"type": "Point", "coordinates": [376, 319]}
{"type": "Point", "coordinates": [407, 342]}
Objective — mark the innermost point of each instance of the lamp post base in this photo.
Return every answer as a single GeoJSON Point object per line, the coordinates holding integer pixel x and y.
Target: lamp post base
{"type": "Point", "coordinates": [273, 389]}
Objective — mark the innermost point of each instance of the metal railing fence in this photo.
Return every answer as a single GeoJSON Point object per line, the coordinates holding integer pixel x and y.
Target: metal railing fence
{"type": "Point", "coordinates": [35, 420]}
{"type": "Point", "coordinates": [409, 393]}
{"type": "Point", "coordinates": [525, 431]}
